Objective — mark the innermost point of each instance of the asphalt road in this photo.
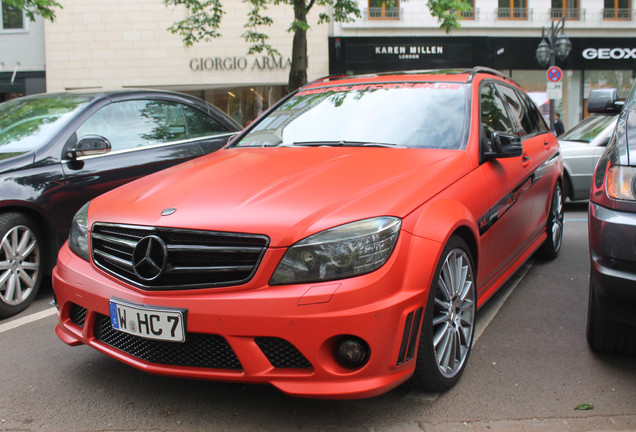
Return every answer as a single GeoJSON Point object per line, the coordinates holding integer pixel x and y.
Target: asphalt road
{"type": "Point", "coordinates": [529, 369]}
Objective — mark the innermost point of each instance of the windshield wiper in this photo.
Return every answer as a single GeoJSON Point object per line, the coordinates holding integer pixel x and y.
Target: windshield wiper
{"type": "Point", "coordinates": [343, 143]}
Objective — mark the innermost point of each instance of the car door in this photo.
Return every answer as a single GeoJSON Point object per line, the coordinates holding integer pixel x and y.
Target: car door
{"type": "Point", "coordinates": [505, 228]}
{"type": "Point", "coordinates": [145, 136]}
{"type": "Point", "coordinates": [541, 147]}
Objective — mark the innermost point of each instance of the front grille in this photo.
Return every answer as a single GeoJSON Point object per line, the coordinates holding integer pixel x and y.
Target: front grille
{"type": "Point", "coordinates": [192, 258]}
{"type": "Point", "coordinates": [77, 314]}
{"type": "Point", "coordinates": [281, 353]}
{"type": "Point", "coordinates": [199, 350]}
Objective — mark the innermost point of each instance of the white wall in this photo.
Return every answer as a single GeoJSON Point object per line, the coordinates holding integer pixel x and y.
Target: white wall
{"type": "Point", "coordinates": [123, 43]}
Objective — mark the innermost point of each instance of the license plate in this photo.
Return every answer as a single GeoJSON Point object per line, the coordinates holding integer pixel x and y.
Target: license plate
{"type": "Point", "coordinates": [149, 322]}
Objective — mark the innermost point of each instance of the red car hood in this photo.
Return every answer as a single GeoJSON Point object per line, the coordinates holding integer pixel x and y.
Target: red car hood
{"type": "Point", "coordinates": [285, 193]}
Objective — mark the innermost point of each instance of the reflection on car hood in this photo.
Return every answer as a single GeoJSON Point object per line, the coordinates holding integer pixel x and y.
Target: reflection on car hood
{"type": "Point", "coordinates": [285, 193]}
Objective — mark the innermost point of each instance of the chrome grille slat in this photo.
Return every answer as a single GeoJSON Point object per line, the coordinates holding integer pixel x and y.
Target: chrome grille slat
{"type": "Point", "coordinates": [193, 258]}
{"type": "Point", "coordinates": [183, 270]}
{"type": "Point", "coordinates": [218, 249]}
{"type": "Point", "coordinates": [115, 260]}
{"type": "Point", "coordinates": [116, 240]}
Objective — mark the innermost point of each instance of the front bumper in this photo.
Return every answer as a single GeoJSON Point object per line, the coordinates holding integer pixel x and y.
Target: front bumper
{"type": "Point", "coordinates": [282, 335]}
{"type": "Point", "coordinates": [612, 237]}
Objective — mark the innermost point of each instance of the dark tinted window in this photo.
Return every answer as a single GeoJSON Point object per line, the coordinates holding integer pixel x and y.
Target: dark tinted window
{"type": "Point", "coordinates": [518, 110]}
{"type": "Point", "coordinates": [538, 123]}
{"type": "Point", "coordinates": [494, 116]}
{"type": "Point", "coordinates": [137, 123]}
{"type": "Point", "coordinates": [200, 124]}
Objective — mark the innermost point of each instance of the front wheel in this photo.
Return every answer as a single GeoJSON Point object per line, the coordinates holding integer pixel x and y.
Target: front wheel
{"type": "Point", "coordinates": [449, 322]}
{"type": "Point", "coordinates": [554, 228]}
{"type": "Point", "coordinates": [21, 263]}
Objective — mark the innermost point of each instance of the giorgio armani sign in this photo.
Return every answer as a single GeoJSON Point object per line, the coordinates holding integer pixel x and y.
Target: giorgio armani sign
{"type": "Point", "coordinates": [238, 64]}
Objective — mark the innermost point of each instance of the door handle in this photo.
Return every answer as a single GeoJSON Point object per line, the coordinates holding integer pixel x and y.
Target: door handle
{"type": "Point", "coordinates": [525, 160]}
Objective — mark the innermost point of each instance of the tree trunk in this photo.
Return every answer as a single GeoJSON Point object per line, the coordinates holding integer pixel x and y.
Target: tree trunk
{"type": "Point", "coordinates": [299, 62]}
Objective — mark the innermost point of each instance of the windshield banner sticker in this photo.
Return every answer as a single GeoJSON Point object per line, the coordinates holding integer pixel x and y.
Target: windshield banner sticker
{"type": "Point", "coordinates": [382, 86]}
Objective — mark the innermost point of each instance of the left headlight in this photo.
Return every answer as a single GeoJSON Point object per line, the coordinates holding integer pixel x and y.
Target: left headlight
{"type": "Point", "coordinates": [621, 183]}
{"type": "Point", "coordinates": [78, 235]}
{"type": "Point", "coordinates": [347, 250]}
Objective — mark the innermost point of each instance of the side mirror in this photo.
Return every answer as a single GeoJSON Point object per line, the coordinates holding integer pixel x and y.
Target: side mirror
{"type": "Point", "coordinates": [604, 101]}
{"type": "Point", "coordinates": [504, 145]}
{"type": "Point", "coordinates": [89, 145]}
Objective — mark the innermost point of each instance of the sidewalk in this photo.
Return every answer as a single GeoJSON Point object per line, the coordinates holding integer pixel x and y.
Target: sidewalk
{"type": "Point", "coordinates": [620, 423]}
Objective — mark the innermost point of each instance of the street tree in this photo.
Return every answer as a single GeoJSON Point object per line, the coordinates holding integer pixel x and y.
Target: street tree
{"type": "Point", "coordinates": [44, 8]}
{"type": "Point", "coordinates": [204, 19]}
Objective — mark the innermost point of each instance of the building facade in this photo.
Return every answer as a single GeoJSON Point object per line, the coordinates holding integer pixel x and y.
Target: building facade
{"type": "Point", "coordinates": [99, 44]}
{"type": "Point", "coordinates": [22, 68]}
{"type": "Point", "coordinates": [105, 44]}
{"type": "Point", "coordinates": [502, 34]}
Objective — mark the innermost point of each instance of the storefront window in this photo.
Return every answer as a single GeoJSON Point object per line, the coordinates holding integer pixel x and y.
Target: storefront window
{"type": "Point", "coordinates": [243, 104]}
{"type": "Point", "coordinates": [619, 79]}
{"type": "Point", "coordinates": [384, 9]}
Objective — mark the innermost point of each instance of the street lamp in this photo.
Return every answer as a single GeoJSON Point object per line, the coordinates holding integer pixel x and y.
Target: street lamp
{"type": "Point", "coordinates": [552, 46]}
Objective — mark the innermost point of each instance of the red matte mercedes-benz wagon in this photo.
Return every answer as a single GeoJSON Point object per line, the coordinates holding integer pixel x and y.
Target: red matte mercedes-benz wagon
{"type": "Point", "coordinates": [338, 247]}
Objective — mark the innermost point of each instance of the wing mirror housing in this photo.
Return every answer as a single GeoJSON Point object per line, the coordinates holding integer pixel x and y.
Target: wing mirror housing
{"type": "Point", "coordinates": [89, 145]}
{"type": "Point", "coordinates": [504, 145]}
{"type": "Point", "coordinates": [604, 101]}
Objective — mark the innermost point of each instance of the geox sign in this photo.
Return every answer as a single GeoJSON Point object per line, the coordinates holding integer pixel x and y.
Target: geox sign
{"type": "Point", "coordinates": [609, 53]}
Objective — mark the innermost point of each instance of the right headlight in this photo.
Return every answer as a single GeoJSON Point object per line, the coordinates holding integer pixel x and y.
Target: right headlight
{"type": "Point", "coordinates": [78, 235]}
{"type": "Point", "coordinates": [347, 250]}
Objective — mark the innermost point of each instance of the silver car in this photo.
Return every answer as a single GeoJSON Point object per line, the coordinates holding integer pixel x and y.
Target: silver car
{"type": "Point", "coordinates": [583, 145]}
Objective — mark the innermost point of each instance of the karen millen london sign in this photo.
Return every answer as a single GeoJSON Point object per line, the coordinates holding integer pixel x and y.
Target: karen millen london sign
{"type": "Point", "coordinates": [408, 52]}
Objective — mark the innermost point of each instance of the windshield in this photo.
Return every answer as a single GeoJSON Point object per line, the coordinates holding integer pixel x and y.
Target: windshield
{"type": "Point", "coordinates": [27, 123]}
{"type": "Point", "coordinates": [416, 115]}
{"type": "Point", "coordinates": [589, 128]}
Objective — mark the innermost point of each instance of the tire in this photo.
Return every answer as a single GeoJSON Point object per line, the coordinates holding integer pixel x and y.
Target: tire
{"type": "Point", "coordinates": [449, 321]}
{"type": "Point", "coordinates": [554, 228]}
{"type": "Point", "coordinates": [21, 263]}
{"type": "Point", "coordinates": [605, 335]}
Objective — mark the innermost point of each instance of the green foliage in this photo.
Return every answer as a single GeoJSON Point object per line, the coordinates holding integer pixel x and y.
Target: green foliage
{"type": "Point", "coordinates": [448, 13]}
{"type": "Point", "coordinates": [204, 19]}
{"type": "Point", "coordinates": [45, 8]}
{"type": "Point", "coordinates": [202, 22]}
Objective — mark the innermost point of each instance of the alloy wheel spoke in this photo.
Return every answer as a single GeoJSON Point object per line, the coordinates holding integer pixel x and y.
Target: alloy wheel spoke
{"type": "Point", "coordinates": [454, 317]}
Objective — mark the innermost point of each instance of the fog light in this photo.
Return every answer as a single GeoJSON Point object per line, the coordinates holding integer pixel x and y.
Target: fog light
{"type": "Point", "coordinates": [352, 351]}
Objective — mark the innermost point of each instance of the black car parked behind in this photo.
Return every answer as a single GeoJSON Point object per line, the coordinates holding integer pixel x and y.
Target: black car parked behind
{"type": "Point", "coordinates": [611, 322]}
{"type": "Point", "coordinates": [57, 151]}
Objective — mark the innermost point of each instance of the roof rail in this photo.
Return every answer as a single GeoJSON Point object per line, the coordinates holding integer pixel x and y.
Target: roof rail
{"type": "Point", "coordinates": [482, 69]}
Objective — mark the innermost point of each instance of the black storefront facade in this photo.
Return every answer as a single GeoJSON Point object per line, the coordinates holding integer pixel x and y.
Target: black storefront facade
{"type": "Point", "coordinates": [593, 62]}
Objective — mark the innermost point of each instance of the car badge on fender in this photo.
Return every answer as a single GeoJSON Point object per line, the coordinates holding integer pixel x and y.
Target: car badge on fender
{"type": "Point", "coordinates": [149, 258]}
{"type": "Point", "coordinates": [168, 211]}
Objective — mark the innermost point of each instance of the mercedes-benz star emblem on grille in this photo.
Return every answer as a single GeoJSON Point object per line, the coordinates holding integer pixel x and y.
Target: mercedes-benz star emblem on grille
{"type": "Point", "coordinates": [149, 258]}
{"type": "Point", "coordinates": [168, 211]}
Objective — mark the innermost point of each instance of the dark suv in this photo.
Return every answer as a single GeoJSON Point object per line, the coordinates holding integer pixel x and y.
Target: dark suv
{"type": "Point", "coordinates": [612, 235]}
